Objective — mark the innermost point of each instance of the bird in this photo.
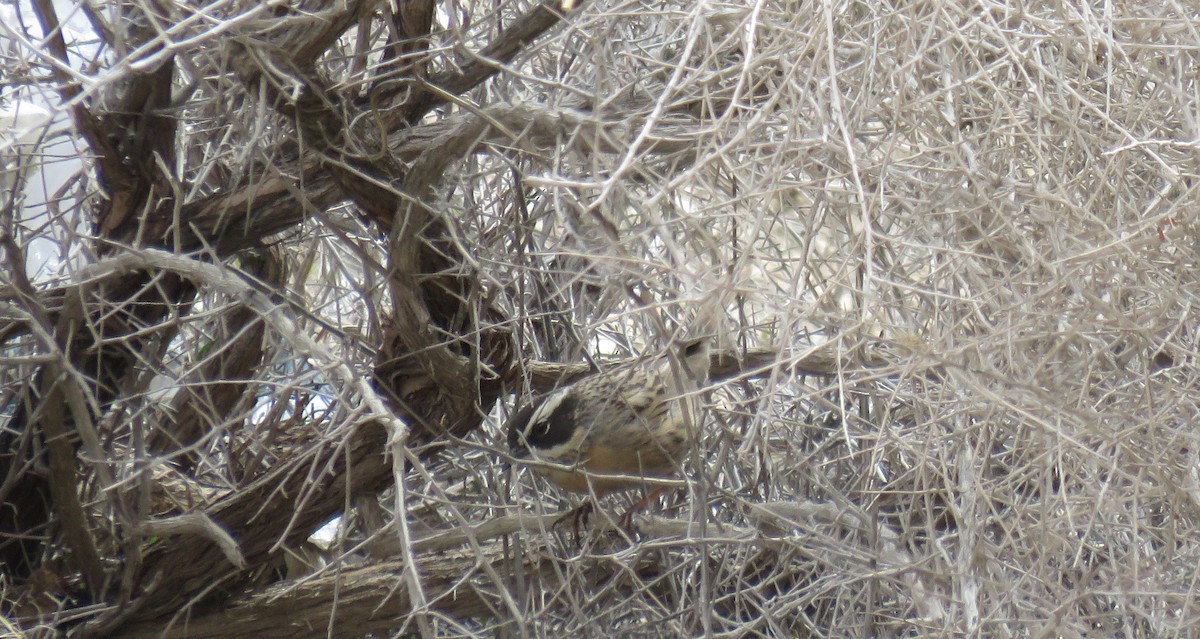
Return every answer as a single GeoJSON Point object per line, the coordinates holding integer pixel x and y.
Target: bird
{"type": "Point", "coordinates": [610, 431]}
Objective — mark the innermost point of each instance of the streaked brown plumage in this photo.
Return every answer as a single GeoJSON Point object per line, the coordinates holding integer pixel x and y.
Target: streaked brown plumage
{"type": "Point", "coordinates": [617, 426]}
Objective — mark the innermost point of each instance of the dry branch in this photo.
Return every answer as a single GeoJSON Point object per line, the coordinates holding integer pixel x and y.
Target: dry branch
{"type": "Point", "coordinates": [945, 254]}
{"type": "Point", "coordinates": [365, 599]}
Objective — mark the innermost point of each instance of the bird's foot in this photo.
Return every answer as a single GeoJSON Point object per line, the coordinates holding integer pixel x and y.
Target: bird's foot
{"type": "Point", "coordinates": [577, 516]}
{"type": "Point", "coordinates": [625, 522]}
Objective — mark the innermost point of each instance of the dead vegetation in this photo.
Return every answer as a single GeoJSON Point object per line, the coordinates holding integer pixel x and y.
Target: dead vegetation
{"type": "Point", "coordinates": [293, 264]}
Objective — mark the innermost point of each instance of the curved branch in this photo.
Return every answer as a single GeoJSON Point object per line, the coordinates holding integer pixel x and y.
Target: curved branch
{"type": "Point", "coordinates": [456, 566]}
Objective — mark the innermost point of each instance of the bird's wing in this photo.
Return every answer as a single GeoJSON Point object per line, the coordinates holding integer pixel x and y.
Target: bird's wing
{"type": "Point", "coordinates": [643, 401]}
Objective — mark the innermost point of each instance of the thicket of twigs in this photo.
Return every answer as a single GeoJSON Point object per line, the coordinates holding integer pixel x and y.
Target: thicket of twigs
{"type": "Point", "coordinates": [308, 257]}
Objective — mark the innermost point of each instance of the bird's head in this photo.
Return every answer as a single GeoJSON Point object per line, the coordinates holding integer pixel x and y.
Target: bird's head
{"type": "Point", "coordinates": [693, 358]}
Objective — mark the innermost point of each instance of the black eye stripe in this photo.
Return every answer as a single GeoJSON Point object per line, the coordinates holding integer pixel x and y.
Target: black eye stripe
{"type": "Point", "coordinates": [550, 428]}
{"type": "Point", "coordinates": [619, 401]}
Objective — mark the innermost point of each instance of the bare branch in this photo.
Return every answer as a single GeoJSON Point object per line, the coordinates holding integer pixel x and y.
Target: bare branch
{"type": "Point", "coordinates": [199, 525]}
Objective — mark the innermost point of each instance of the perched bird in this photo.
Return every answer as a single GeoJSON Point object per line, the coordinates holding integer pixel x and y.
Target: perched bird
{"type": "Point", "coordinates": [608, 431]}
